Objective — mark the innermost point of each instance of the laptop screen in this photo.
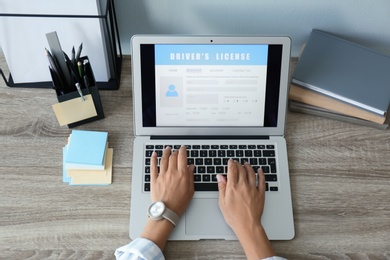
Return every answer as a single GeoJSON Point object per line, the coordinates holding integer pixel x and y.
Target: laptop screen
{"type": "Point", "coordinates": [210, 85]}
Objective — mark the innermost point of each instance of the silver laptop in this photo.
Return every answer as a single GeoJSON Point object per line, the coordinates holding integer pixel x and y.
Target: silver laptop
{"type": "Point", "coordinates": [223, 97]}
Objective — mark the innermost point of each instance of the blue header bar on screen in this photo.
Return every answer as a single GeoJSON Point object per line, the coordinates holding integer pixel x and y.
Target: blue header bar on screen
{"type": "Point", "coordinates": [204, 54]}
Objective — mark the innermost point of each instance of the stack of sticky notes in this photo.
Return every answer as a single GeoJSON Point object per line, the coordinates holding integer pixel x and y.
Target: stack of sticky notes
{"type": "Point", "coordinates": [87, 160]}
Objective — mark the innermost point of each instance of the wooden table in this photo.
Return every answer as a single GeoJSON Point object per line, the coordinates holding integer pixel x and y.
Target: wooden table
{"type": "Point", "coordinates": [340, 180]}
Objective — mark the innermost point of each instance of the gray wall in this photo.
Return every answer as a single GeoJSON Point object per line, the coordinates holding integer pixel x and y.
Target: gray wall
{"type": "Point", "coordinates": [366, 22]}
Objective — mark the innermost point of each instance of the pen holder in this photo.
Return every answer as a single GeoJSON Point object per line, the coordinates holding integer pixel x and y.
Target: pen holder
{"type": "Point", "coordinates": [77, 107]}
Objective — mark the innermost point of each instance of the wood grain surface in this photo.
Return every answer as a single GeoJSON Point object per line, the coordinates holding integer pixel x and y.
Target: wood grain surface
{"type": "Point", "coordinates": [340, 179]}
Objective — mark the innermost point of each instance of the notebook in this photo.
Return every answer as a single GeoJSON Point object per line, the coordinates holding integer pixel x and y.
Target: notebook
{"type": "Point", "coordinates": [211, 93]}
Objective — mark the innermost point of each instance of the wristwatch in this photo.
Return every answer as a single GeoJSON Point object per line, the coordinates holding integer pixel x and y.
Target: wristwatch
{"type": "Point", "coordinates": [158, 211]}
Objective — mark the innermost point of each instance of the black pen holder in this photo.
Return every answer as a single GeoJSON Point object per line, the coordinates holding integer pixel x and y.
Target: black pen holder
{"type": "Point", "coordinates": [86, 89]}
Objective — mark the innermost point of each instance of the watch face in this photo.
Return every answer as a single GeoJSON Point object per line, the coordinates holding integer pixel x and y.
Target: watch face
{"type": "Point", "coordinates": [157, 209]}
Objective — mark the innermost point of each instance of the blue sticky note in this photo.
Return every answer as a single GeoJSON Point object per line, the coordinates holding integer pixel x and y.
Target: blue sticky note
{"type": "Point", "coordinates": [86, 150]}
{"type": "Point", "coordinates": [65, 177]}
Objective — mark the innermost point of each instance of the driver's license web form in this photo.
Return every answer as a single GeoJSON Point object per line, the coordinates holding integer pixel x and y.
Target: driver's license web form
{"type": "Point", "coordinates": [210, 85]}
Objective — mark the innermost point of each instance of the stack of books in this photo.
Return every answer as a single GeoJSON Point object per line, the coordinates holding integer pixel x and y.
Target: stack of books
{"type": "Point", "coordinates": [342, 80]}
{"type": "Point", "coordinates": [87, 160]}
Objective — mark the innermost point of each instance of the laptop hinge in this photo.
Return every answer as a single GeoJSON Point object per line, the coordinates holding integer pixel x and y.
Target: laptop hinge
{"type": "Point", "coordinates": [208, 137]}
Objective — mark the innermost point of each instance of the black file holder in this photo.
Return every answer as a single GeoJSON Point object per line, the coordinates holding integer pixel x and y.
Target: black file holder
{"type": "Point", "coordinates": [109, 27]}
{"type": "Point", "coordinates": [93, 90]}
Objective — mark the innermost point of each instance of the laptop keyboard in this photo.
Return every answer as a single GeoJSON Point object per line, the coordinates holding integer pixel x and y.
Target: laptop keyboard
{"type": "Point", "coordinates": [210, 160]}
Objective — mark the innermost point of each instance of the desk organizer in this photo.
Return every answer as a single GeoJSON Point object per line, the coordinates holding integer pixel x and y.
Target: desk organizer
{"type": "Point", "coordinates": [109, 28]}
{"type": "Point", "coordinates": [93, 90]}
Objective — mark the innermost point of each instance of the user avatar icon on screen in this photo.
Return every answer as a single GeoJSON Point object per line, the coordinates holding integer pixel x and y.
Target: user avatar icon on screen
{"type": "Point", "coordinates": [171, 91]}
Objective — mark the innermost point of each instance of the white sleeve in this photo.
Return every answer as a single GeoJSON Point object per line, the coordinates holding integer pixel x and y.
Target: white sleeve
{"type": "Point", "coordinates": [142, 248]}
{"type": "Point", "coordinates": [139, 248]}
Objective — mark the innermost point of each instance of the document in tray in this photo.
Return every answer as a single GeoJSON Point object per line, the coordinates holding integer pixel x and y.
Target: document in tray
{"type": "Point", "coordinates": [23, 39]}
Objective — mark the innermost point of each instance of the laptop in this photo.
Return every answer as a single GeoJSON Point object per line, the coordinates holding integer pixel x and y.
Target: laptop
{"type": "Point", "coordinates": [223, 97]}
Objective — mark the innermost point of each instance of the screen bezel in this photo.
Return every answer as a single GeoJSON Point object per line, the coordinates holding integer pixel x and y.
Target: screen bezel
{"type": "Point", "coordinates": [139, 129]}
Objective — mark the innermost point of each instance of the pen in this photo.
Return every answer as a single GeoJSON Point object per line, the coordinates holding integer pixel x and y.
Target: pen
{"type": "Point", "coordinates": [50, 59]}
{"type": "Point", "coordinates": [79, 90]}
{"type": "Point", "coordinates": [88, 72]}
{"type": "Point", "coordinates": [56, 83]}
{"type": "Point", "coordinates": [73, 56]}
{"type": "Point", "coordinates": [86, 82]}
{"type": "Point", "coordinates": [85, 63]}
{"type": "Point", "coordinates": [73, 70]}
{"type": "Point", "coordinates": [58, 55]}
{"type": "Point", "coordinates": [55, 71]}
{"type": "Point", "coordinates": [79, 52]}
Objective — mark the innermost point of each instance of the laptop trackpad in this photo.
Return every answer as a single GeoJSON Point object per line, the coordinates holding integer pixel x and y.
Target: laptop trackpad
{"type": "Point", "coordinates": [203, 217]}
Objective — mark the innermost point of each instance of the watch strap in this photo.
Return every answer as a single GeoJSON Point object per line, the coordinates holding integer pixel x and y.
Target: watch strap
{"type": "Point", "coordinates": [171, 216]}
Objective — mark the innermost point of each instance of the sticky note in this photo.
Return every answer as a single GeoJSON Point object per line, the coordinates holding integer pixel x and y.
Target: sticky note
{"type": "Point", "coordinates": [74, 110]}
{"type": "Point", "coordinates": [86, 150]}
{"type": "Point", "coordinates": [65, 177]}
{"type": "Point", "coordinates": [92, 177]}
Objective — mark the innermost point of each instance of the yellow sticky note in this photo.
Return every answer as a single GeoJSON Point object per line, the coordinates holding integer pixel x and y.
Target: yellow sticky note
{"type": "Point", "coordinates": [93, 177]}
{"type": "Point", "coordinates": [74, 110]}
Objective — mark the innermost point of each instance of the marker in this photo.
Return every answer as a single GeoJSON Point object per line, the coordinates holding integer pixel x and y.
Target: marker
{"type": "Point", "coordinates": [79, 90]}
{"type": "Point", "coordinates": [81, 68]}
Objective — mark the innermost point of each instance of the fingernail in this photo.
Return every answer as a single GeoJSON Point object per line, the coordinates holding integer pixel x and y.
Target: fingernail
{"type": "Point", "coordinates": [219, 178]}
{"type": "Point", "coordinates": [154, 154]}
